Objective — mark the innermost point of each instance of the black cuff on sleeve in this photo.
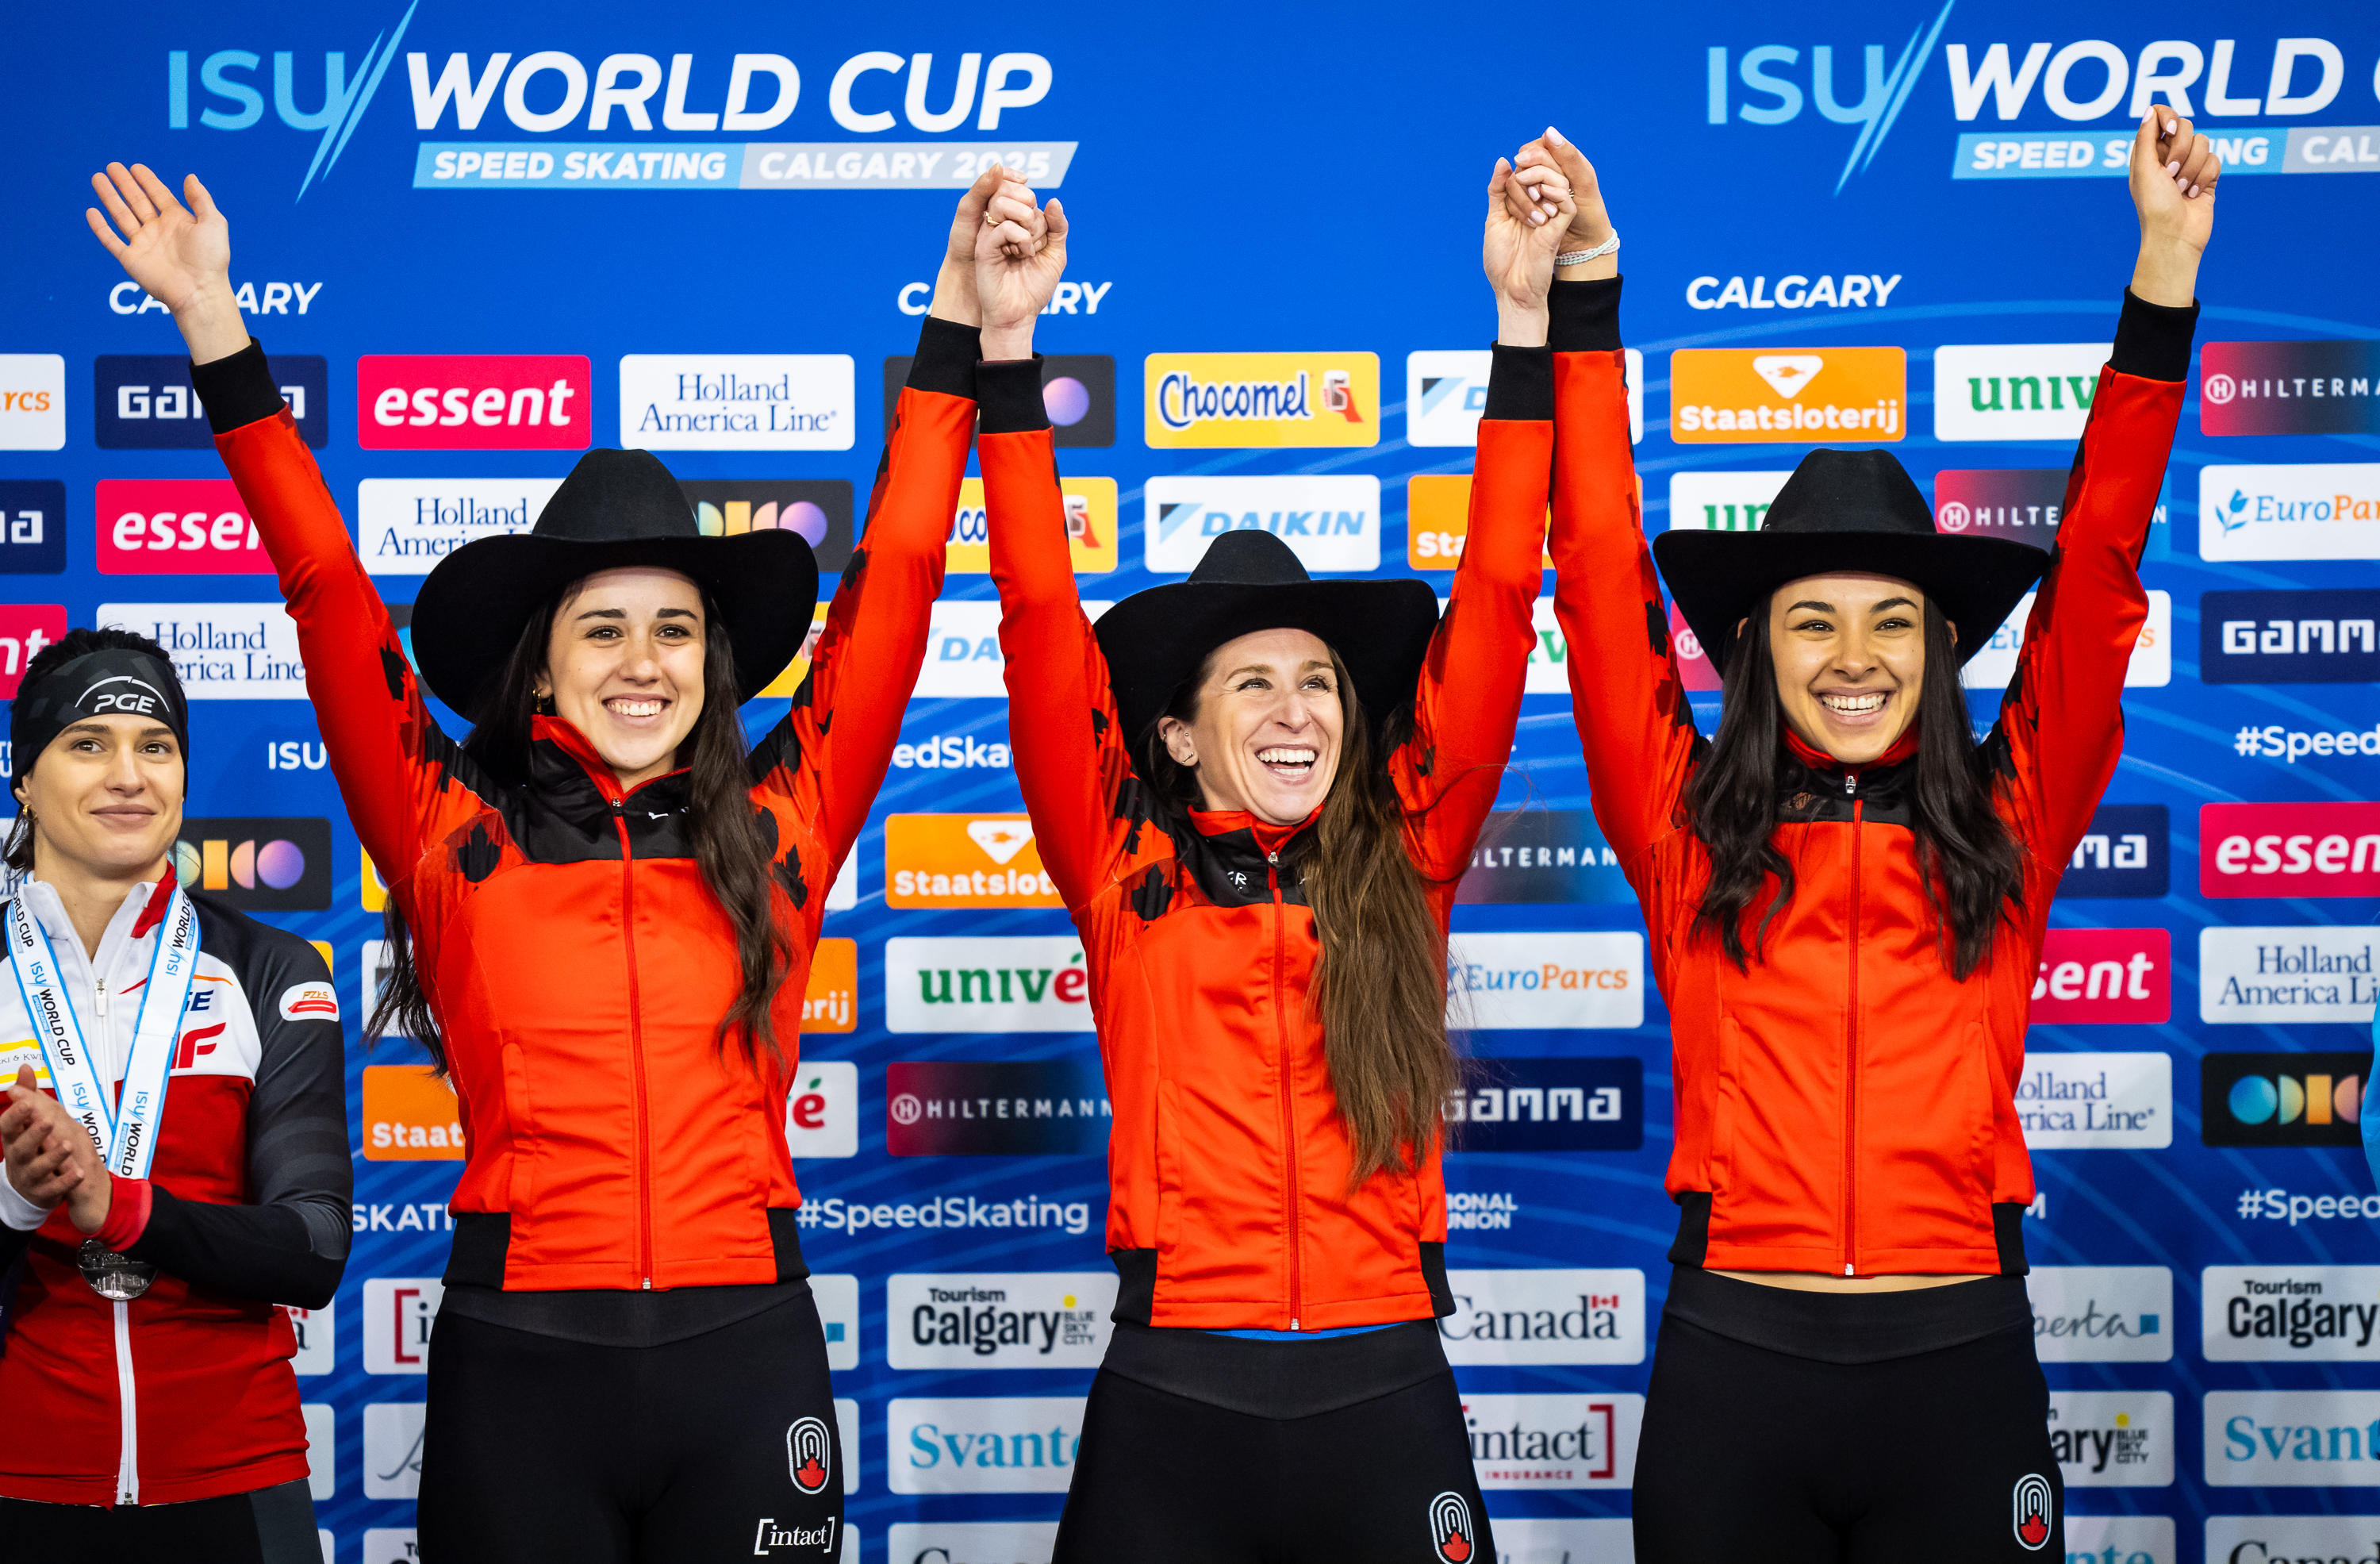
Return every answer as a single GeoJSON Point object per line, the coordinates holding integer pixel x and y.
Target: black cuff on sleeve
{"type": "Point", "coordinates": [947, 352]}
{"type": "Point", "coordinates": [1585, 316]}
{"type": "Point", "coordinates": [260, 1252]}
{"type": "Point", "coordinates": [2152, 340]}
{"type": "Point", "coordinates": [1010, 395]}
{"type": "Point", "coordinates": [1520, 383]}
{"type": "Point", "coordinates": [238, 390]}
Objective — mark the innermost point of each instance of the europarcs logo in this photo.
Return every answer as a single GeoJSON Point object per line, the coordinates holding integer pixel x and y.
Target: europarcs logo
{"type": "Point", "coordinates": [546, 91]}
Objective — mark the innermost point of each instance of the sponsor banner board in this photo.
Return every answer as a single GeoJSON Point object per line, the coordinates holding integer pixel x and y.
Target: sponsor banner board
{"type": "Point", "coordinates": [1553, 1441]}
{"type": "Point", "coordinates": [175, 527]}
{"type": "Point", "coordinates": [981, 1443]}
{"type": "Point", "coordinates": [2015, 391]}
{"type": "Point", "coordinates": [2288, 849]}
{"type": "Point", "coordinates": [2291, 1439]}
{"type": "Point", "coordinates": [2289, 388]}
{"type": "Point", "coordinates": [145, 402]}
{"type": "Point", "coordinates": [737, 401]}
{"type": "Point", "coordinates": [2302, 511]}
{"type": "Point", "coordinates": [963, 861]}
{"type": "Point", "coordinates": [1331, 521]}
{"type": "Point", "coordinates": [2104, 975]}
{"type": "Point", "coordinates": [2286, 974]}
{"type": "Point", "coordinates": [222, 651]}
{"type": "Point", "coordinates": [2102, 1313]}
{"type": "Point", "coordinates": [2290, 1313]}
{"type": "Point", "coordinates": [995, 1107]}
{"type": "Point", "coordinates": [404, 526]}
{"type": "Point", "coordinates": [1220, 399]}
{"type": "Point", "coordinates": [2283, 1099]}
{"type": "Point", "coordinates": [1544, 1316]}
{"type": "Point", "coordinates": [1813, 396]}
{"type": "Point", "coordinates": [822, 1109]}
{"type": "Point", "coordinates": [2318, 637]}
{"type": "Point", "coordinates": [2096, 1102]}
{"type": "Point", "coordinates": [1035, 983]}
{"type": "Point", "coordinates": [2126, 852]}
{"type": "Point", "coordinates": [473, 402]}
{"type": "Point", "coordinates": [1549, 1105]}
{"type": "Point", "coordinates": [1543, 855]}
{"type": "Point", "coordinates": [2113, 1438]}
{"type": "Point", "coordinates": [998, 1319]}
{"type": "Point", "coordinates": [2150, 665]}
{"type": "Point", "coordinates": [1505, 982]}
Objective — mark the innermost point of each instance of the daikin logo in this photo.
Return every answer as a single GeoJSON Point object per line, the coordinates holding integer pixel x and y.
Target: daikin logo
{"type": "Point", "coordinates": [224, 76]}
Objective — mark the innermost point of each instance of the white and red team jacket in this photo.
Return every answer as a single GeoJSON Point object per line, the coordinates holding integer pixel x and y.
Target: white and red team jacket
{"type": "Point", "coordinates": [187, 1391]}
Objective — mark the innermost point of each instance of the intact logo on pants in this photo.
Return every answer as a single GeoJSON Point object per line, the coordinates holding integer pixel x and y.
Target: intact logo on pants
{"type": "Point", "coordinates": [2033, 1510]}
{"type": "Point", "coordinates": [1449, 1528]}
{"type": "Point", "coordinates": [809, 1453]}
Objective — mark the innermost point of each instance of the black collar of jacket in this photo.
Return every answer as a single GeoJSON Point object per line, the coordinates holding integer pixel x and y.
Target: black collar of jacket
{"type": "Point", "coordinates": [1231, 868]}
{"type": "Point", "coordinates": [1807, 794]}
{"type": "Point", "coordinates": [561, 816]}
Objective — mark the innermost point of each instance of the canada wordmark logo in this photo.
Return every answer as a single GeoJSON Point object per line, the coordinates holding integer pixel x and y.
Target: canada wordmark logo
{"type": "Point", "coordinates": [809, 1454]}
{"type": "Point", "coordinates": [2032, 1504]}
{"type": "Point", "coordinates": [1449, 1528]}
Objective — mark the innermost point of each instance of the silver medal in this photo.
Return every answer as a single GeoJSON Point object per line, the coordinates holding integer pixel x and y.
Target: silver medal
{"type": "Point", "coordinates": [111, 1275]}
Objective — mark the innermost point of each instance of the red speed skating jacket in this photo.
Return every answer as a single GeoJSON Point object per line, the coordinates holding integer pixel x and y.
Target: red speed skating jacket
{"type": "Point", "coordinates": [1843, 1106]}
{"type": "Point", "coordinates": [1228, 1163]}
{"type": "Point", "coordinates": [564, 934]}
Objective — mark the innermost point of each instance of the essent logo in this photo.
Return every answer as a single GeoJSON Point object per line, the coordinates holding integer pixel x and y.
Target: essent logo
{"type": "Point", "coordinates": [25, 629]}
{"type": "Point", "coordinates": [177, 526]}
{"type": "Point", "coordinates": [472, 402]}
{"type": "Point", "coordinates": [2290, 849]}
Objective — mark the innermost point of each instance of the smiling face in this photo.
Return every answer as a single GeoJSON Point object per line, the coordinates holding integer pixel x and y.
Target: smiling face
{"type": "Point", "coordinates": [1850, 652]}
{"type": "Point", "coordinates": [1266, 737]}
{"type": "Point", "coordinates": [623, 666]}
{"type": "Point", "coordinates": [106, 799]}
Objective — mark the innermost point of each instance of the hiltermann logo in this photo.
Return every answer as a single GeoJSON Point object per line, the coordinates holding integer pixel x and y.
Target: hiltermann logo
{"type": "Point", "coordinates": [473, 402]}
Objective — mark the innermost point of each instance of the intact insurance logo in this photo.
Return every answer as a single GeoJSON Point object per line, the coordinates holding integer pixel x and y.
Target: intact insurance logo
{"type": "Point", "coordinates": [222, 651]}
{"type": "Point", "coordinates": [1551, 1316]}
{"type": "Point", "coordinates": [1511, 1105]}
{"type": "Point", "coordinates": [33, 527]}
{"type": "Point", "coordinates": [2311, 510]}
{"type": "Point", "coordinates": [995, 1107]}
{"type": "Point", "coordinates": [737, 401]}
{"type": "Point", "coordinates": [1216, 400]}
{"type": "Point", "coordinates": [2288, 849]}
{"type": "Point", "coordinates": [176, 527]}
{"type": "Point", "coordinates": [1733, 395]}
{"type": "Point", "coordinates": [1331, 522]}
{"type": "Point", "coordinates": [2319, 637]}
{"type": "Point", "coordinates": [145, 402]}
{"type": "Point", "coordinates": [998, 1319]}
{"type": "Point", "coordinates": [473, 402]}
{"type": "Point", "coordinates": [2289, 389]}
{"type": "Point", "coordinates": [2298, 1099]}
{"type": "Point", "coordinates": [400, 1314]}
{"type": "Point", "coordinates": [2102, 1313]}
{"type": "Point", "coordinates": [2291, 1313]}
{"type": "Point", "coordinates": [257, 865]}
{"type": "Point", "coordinates": [1562, 1441]}
{"type": "Point", "coordinates": [964, 860]}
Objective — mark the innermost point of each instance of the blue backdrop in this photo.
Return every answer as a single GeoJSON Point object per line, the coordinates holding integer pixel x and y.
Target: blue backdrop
{"type": "Point", "coordinates": [617, 193]}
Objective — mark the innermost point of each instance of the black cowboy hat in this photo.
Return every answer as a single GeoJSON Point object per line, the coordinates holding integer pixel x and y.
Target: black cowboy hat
{"type": "Point", "coordinates": [616, 508]}
{"type": "Point", "coordinates": [1250, 581]}
{"type": "Point", "coordinates": [1845, 510]}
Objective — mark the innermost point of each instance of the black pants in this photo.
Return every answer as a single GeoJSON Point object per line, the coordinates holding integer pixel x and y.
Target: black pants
{"type": "Point", "coordinates": [720, 1445]}
{"type": "Point", "coordinates": [271, 1525]}
{"type": "Point", "coordinates": [1750, 1453]}
{"type": "Point", "coordinates": [1167, 1478]}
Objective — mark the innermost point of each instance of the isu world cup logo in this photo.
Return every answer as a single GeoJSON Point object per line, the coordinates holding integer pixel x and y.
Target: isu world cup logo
{"type": "Point", "coordinates": [2033, 1510]}
{"type": "Point", "coordinates": [809, 1454]}
{"type": "Point", "coordinates": [1449, 1528]}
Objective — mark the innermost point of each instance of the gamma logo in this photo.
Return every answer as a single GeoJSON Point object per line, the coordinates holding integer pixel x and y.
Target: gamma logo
{"type": "Point", "coordinates": [225, 76]}
{"type": "Point", "coordinates": [1449, 1528]}
{"type": "Point", "coordinates": [2033, 1505]}
{"type": "Point", "coordinates": [809, 1454]}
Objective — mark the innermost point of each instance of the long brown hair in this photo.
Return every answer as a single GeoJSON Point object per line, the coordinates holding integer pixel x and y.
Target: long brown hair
{"type": "Point", "coordinates": [730, 846]}
{"type": "Point", "coordinates": [1972, 867]}
{"type": "Point", "coordinates": [1379, 989]}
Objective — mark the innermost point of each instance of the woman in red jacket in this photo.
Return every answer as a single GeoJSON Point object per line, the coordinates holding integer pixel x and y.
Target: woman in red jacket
{"type": "Point", "coordinates": [1846, 897]}
{"type": "Point", "coordinates": [607, 912]}
{"type": "Point", "coordinates": [1256, 793]}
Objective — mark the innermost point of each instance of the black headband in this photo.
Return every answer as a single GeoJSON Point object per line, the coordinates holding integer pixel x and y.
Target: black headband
{"type": "Point", "coordinates": [112, 681]}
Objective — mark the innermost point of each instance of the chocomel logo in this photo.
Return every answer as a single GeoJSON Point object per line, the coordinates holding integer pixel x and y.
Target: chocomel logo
{"type": "Point", "coordinates": [1263, 399]}
{"type": "Point", "coordinates": [1091, 504]}
{"type": "Point", "coordinates": [960, 860]}
{"type": "Point", "coordinates": [1720, 395]}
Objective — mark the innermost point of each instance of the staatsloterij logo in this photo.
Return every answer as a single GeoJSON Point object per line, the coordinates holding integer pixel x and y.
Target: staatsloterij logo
{"type": "Point", "coordinates": [1879, 104]}
{"type": "Point", "coordinates": [345, 98]}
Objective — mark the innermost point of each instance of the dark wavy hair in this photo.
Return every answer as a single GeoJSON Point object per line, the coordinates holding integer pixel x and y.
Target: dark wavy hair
{"type": "Point", "coordinates": [730, 846]}
{"type": "Point", "coordinates": [1379, 989]}
{"type": "Point", "coordinates": [1971, 866]}
{"type": "Point", "coordinates": [18, 856]}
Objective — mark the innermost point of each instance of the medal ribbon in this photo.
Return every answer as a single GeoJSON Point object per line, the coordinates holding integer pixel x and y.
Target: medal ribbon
{"type": "Point", "coordinates": [125, 1132]}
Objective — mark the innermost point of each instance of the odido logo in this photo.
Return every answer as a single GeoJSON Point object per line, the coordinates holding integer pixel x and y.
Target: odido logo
{"type": "Point", "coordinates": [270, 865]}
{"type": "Point", "coordinates": [2032, 1503]}
{"type": "Point", "coordinates": [809, 1454]}
{"type": "Point", "coordinates": [1449, 1528]}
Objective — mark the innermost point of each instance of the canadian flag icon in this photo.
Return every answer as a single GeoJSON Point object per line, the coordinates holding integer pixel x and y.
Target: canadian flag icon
{"type": "Point", "coordinates": [2033, 1510]}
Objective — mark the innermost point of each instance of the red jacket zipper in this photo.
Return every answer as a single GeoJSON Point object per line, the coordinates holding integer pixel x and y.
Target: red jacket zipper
{"type": "Point", "coordinates": [1287, 1110]}
{"type": "Point", "coordinates": [1850, 1051]}
{"type": "Point", "coordinates": [636, 1050]}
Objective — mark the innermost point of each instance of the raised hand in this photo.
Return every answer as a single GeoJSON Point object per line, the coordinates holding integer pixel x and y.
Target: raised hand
{"type": "Point", "coordinates": [2173, 176]}
{"type": "Point", "coordinates": [954, 297]}
{"type": "Point", "coordinates": [1020, 253]}
{"type": "Point", "coordinates": [181, 255]}
{"type": "Point", "coordinates": [1590, 224]}
{"type": "Point", "coordinates": [1524, 229]}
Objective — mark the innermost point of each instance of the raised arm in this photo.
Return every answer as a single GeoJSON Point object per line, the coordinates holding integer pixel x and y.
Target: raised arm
{"type": "Point", "coordinates": [1467, 700]}
{"type": "Point", "coordinates": [833, 747]}
{"type": "Point", "coordinates": [392, 761]}
{"type": "Point", "coordinates": [1630, 705]}
{"type": "Point", "coordinates": [2062, 718]}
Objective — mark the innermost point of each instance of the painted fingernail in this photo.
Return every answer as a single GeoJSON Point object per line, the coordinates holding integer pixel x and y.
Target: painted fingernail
{"type": "Point", "coordinates": [2193, 189]}
{"type": "Point", "coordinates": [2174, 167]}
{"type": "Point", "coordinates": [1536, 217]}
{"type": "Point", "coordinates": [2170, 127]}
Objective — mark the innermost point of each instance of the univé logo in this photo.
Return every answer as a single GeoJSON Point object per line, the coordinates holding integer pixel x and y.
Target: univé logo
{"type": "Point", "coordinates": [1449, 1528]}
{"type": "Point", "coordinates": [274, 865]}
